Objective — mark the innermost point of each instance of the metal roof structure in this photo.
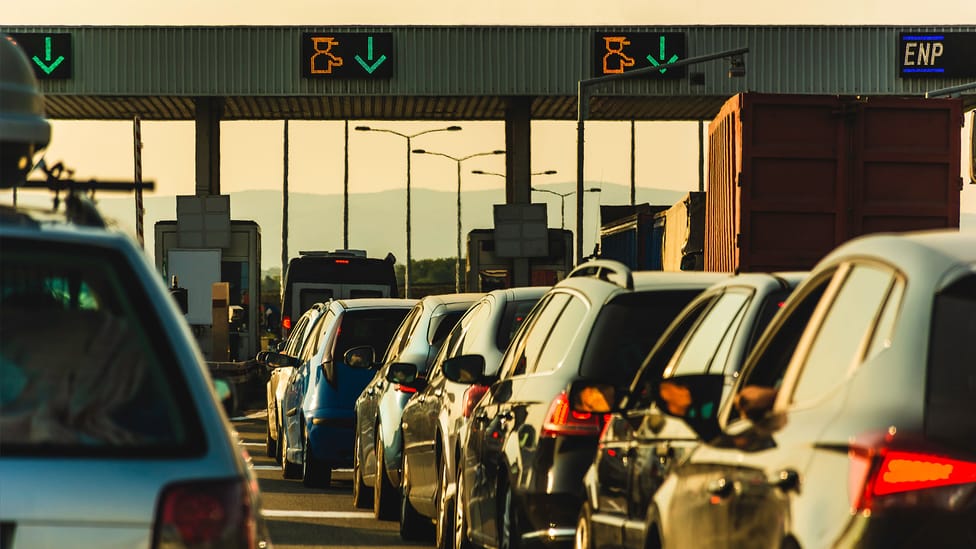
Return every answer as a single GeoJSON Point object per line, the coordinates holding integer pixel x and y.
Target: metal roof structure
{"type": "Point", "coordinates": [462, 73]}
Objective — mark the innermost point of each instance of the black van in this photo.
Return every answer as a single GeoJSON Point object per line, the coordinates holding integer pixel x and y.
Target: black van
{"type": "Point", "coordinates": [318, 276]}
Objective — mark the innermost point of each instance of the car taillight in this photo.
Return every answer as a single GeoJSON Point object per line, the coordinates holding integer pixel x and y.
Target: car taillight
{"type": "Point", "coordinates": [206, 514]}
{"type": "Point", "coordinates": [286, 323]}
{"type": "Point", "coordinates": [405, 388]}
{"type": "Point", "coordinates": [561, 419]}
{"type": "Point", "coordinates": [888, 478]}
{"type": "Point", "coordinates": [472, 396]}
{"type": "Point", "coordinates": [342, 261]}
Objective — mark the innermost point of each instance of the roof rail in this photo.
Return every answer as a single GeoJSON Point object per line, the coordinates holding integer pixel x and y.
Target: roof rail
{"type": "Point", "coordinates": [607, 270]}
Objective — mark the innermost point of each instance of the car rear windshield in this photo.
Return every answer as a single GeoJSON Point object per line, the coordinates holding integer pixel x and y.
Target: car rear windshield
{"type": "Point", "coordinates": [373, 327]}
{"type": "Point", "coordinates": [951, 388]}
{"type": "Point", "coordinates": [511, 320]}
{"type": "Point", "coordinates": [85, 367]}
{"type": "Point", "coordinates": [626, 329]}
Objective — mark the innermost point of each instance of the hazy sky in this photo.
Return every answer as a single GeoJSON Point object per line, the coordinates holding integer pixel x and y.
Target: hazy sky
{"type": "Point", "coordinates": [251, 151]}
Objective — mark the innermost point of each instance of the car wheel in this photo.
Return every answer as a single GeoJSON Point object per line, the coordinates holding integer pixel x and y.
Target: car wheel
{"type": "Point", "coordinates": [413, 526]}
{"type": "Point", "coordinates": [385, 504]}
{"type": "Point", "coordinates": [362, 495]}
{"type": "Point", "coordinates": [279, 444]}
{"type": "Point", "coordinates": [508, 529]}
{"type": "Point", "coordinates": [460, 518]}
{"type": "Point", "coordinates": [315, 473]}
{"type": "Point", "coordinates": [288, 469]}
{"type": "Point", "coordinates": [444, 536]}
{"type": "Point", "coordinates": [270, 444]}
{"type": "Point", "coordinates": [584, 536]}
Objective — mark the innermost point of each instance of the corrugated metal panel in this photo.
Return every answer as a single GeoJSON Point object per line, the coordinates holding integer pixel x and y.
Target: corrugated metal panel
{"type": "Point", "coordinates": [479, 67]}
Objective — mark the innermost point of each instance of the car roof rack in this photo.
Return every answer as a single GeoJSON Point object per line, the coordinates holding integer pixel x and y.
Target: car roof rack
{"type": "Point", "coordinates": [607, 270]}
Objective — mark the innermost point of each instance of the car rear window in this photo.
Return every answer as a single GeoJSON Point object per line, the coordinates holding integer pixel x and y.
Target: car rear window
{"type": "Point", "coordinates": [625, 331]}
{"type": "Point", "coordinates": [515, 312]}
{"type": "Point", "coordinates": [85, 367]}
{"type": "Point", "coordinates": [373, 327]}
{"type": "Point", "coordinates": [951, 388]}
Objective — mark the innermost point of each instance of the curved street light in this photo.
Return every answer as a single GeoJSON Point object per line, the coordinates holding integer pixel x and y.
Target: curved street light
{"type": "Point", "coordinates": [562, 197]}
{"type": "Point", "coordinates": [482, 172]}
{"type": "Point", "coordinates": [409, 138]}
{"type": "Point", "coordinates": [458, 161]}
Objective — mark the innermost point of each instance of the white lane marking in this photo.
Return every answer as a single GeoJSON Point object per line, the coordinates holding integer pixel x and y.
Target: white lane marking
{"type": "Point", "coordinates": [278, 467]}
{"type": "Point", "coordinates": [318, 514]}
{"type": "Point", "coordinates": [253, 415]}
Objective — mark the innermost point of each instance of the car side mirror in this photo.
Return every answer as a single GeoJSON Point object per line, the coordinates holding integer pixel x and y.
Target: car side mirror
{"type": "Point", "coordinates": [262, 357]}
{"type": "Point", "coordinates": [693, 398]}
{"type": "Point", "coordinates": [360, 357]}
{"type": "Point", "coordinates": [402, 372]}
{"type": "Point", "coordinates": [466, 369]}
{"type": "Point", "coordinates": [591, 397]}
{"type": "Point", "coordinates": [278, 360]}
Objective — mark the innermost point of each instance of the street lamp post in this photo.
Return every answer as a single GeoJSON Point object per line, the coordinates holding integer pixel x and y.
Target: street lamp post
{"type": "Point", "coordinates": [458, 161]}
{"type": "Point", "coordinates": [409, 138]}
{"type": "Point", "coordinates": [562, 197]}
{"type": "Point", "coordinates": [481, 172]}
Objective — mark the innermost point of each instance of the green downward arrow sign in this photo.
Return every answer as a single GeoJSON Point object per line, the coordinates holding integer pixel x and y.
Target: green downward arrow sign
{"type": "Point", "coordinates": [48, 68]}
{"type": "Point", "coordinates": [369, 54]}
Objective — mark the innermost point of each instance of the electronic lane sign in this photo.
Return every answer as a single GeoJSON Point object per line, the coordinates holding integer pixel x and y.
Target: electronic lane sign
{"type": "Point", "coordinates": [937, 54]}
{"type": "Point", "coordinates": [49, 53]}
{"type": "Point", "coordinates": [347, 55]}
{"type": "Point", "coordinates": [620, 52]}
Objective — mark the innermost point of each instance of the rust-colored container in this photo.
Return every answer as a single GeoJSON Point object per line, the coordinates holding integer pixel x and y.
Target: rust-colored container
{"type": "Point", "coordinates": [792, 176]}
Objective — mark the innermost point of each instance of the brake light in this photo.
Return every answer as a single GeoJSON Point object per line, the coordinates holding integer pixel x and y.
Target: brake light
{"type": "Point", "coordinates": [904, 478]}
{"type": "Point", "coordinates": [342, 261]}
{"type": "Point", "coordinates": [286, 323]}
{"type": "Point", "coordinates": [472, 396]}
{"type": "Point", "coordinates": [561, 419]}
{"type": "Point", "coordinates": [206, 514]}
{"type": "Point", "coordinates": [405, 388]}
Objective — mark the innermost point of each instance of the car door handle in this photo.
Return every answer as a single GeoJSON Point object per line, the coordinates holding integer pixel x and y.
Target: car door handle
{"type": "Point", "coordinates": [787, 480]}
{"type": "Point", "coordinates": [507, 415]}
{"type": "Point", "coordinates": [721, 487]}
{"type": "Point", "coordinates": [371, 391]}
{"type": "Point", "coordinates": [422, 399]}
{"type": "Point", "coordinates": [438, 392]}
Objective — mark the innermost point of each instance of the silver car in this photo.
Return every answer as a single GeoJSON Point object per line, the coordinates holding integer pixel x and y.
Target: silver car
{"type": "Point", "coordinates": [111, 433]}
{"type": "Point", "coordinates": [434, 418]}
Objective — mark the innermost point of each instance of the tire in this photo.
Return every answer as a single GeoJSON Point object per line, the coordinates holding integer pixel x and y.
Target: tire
{"type": "Point", "coordinates": [362, 495]}
{"type": "Point", "coordinates": [584, 532]}
{"type": "Point", "coordinates": [315, 473]}
{"type": "Point", "coordinates": [509, 533]}
{"type": "Point", "coordinates": [289, 470]}
{"type": "Point", "coordinates": [385, 496]}
{"type": "Point", "coordinates": [278, 445]}
{"type": "Point", "coordinates": [460, 517]}
{"type": "Point", "coordinates": [444, 534]}
{"type": "Point", "coordinates": [270, 444]}
{"type": "Point", "coordinates": [413, 525]}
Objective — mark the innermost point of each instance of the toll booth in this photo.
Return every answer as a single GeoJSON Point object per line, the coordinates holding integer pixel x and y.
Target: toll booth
{"type": "Point", "coordinates": [485, 271]}
{"type": "Point", "coordinates": [198, 266]}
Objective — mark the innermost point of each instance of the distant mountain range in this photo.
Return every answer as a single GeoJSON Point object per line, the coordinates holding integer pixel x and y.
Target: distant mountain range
{"type": "Point", "coordinates": [377, 222]}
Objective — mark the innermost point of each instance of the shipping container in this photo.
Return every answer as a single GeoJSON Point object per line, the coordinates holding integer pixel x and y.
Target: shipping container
{"type": "Point", "coordinates": [792, 176]}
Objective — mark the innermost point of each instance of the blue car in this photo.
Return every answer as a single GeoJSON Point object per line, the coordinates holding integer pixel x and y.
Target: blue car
{"type": "Point", "coordinates": [317, 434]}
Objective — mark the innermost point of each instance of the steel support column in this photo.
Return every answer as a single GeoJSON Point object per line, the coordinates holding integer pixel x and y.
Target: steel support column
{"type": "Point", "coordinates": [209, 111]}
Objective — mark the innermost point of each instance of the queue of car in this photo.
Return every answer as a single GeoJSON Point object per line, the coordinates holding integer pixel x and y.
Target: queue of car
{"type": "Point", "coordinates": [637, 409]}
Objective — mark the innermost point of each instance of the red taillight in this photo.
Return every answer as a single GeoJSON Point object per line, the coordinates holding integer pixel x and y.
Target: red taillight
{"type": "Point", "coordinates": [887, 472]}
{"type": "Point", "coordinates": [562, 420]}
{"type": "Point", "coordinates": [206, 514]}
{"type": "Point", "coordinates": [286, 323]}
{"type": "Point", "coordinates": [472, 396]}
{"type": "Point", "coordinates": [405, 388]}
{"type": "Point", "coordinates": [342, 261]}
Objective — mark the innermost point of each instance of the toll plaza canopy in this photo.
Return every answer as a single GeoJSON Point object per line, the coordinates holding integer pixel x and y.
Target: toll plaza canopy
{"type": "Point", "coordinates": [463, 73]}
